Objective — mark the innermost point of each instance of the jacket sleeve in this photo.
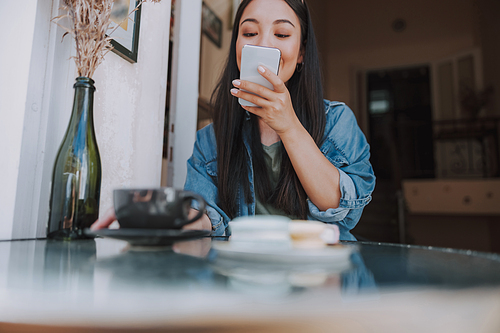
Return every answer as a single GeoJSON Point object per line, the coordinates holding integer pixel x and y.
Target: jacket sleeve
{"type": "Point", "coordinates": [201, 175]}
{"type": "Point", "coordinates": [345, 146]}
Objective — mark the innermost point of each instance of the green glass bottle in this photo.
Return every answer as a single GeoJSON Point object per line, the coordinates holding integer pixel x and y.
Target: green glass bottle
{"type": "Point", "coordinates": [76, 177]}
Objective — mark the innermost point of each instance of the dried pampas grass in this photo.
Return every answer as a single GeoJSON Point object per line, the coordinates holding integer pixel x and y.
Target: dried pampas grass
{"type": "Point", "coordinates": [89, 22]}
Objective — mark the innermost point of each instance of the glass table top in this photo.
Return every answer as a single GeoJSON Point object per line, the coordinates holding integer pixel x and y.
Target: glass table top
{"type": "Point", "coordinates": [105, 278]}
{"type": "Point", "coordinates": [368, 265]}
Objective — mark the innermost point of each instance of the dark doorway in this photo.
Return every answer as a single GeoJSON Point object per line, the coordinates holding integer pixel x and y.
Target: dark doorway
{"type": "Point", "coordinates": [399, 113]}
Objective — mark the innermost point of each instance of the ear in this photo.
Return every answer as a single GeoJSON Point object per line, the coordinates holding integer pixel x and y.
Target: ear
{"type": "Point", "coordinates": [300, 59]}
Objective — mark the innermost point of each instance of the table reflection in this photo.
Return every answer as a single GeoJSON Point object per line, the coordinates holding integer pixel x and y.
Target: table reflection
{"type": "Point", "coordinates": [69, 265]}
{"type": "Point", "coordinates": [193, 264]}
{"type": "Point", "coordinates": [182, 265]}
{"type": "Point", "coordinates": [280, 278]}
{"type": "Point", "coordinates": [104, 265]}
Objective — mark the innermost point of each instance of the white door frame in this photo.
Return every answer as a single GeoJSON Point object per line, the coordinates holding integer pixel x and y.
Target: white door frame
{"type": "Point", "coordinates": [184, 95]}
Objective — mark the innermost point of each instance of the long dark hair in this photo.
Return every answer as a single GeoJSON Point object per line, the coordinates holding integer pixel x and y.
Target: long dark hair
{"type": "Point", "coordinates": [228, 118]}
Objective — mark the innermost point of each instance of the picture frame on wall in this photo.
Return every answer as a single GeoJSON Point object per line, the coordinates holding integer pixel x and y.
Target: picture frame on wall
{"type": "Point", "coordinates": [211, 25]}
{"type": "Point", "coordinates": [125, 40]}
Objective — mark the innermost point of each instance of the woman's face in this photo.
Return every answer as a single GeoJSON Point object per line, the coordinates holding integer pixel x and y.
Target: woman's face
{"type": "Point", "coordinates": [271, 23]}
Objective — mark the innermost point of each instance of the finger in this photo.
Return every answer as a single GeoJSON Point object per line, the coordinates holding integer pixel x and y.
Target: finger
{"type": "Point", "coordinates": [192, 213]}
{"type": "Point", "coordinates": [203, 223]}
{"type": "Point", "coordinates": [104, 222]}
{"type": "Point", "coordinates": [257, 100]}
{"type": "Point", "coordinates": [254, 88]}
{"type": "Point", "coordinates": [196, 225]}
{"type": "Point", "coordinates": [278, 84]}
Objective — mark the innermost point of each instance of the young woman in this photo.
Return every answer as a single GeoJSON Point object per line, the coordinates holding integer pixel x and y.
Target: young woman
{"type": "Point", "coordinates": [295, 154]}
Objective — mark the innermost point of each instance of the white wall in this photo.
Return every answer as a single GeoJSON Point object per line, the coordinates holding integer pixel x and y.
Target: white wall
{"type": "Point", "coordinates": [130, 108]}
{"type": "Point", "coordinates": [35, 105]}
{"type": "Point", "coordinates": [15, 55]}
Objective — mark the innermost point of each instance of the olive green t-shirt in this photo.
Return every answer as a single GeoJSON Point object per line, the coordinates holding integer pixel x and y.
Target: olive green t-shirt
{"type": "Point", "coordinates": [273, 164]}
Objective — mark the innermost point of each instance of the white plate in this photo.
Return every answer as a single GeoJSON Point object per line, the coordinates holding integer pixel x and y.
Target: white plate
{"type": "Point", "coordinates": [327, 255]}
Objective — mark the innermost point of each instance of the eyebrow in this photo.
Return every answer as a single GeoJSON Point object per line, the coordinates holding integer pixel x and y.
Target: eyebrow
{"type": "Point", "coordinates": [283, 21]}
{"type": "Point", "coordinates": [280, 21]}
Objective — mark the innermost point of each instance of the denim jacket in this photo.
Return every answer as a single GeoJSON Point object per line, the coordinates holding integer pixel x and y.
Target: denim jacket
{"type": "Point", "coordinates": [344, 145]}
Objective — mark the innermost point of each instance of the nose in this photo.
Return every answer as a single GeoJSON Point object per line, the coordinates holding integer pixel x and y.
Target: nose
{"type": "Point", "coordinates": [265, 40]}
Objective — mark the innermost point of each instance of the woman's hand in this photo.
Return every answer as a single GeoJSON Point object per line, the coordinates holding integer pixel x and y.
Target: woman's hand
{"type": "Point", "coordinates": [276, 108]}
{"type": "Point", "coordinates": [203, 223]}
{"type": "Point", "coordinates": [105, 221]}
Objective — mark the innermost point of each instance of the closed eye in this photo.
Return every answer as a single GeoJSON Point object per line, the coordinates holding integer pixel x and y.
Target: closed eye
{"type": "Point", "coordinates": [281, 35]}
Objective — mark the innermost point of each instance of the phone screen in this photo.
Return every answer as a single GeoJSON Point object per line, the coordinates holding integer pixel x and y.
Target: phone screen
{"type": "Point", "coordinates": [251, 57]}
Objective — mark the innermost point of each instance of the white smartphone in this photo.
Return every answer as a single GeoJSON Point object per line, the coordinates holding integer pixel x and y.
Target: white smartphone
{"type": "Point", "coordinates": [251, 57]}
